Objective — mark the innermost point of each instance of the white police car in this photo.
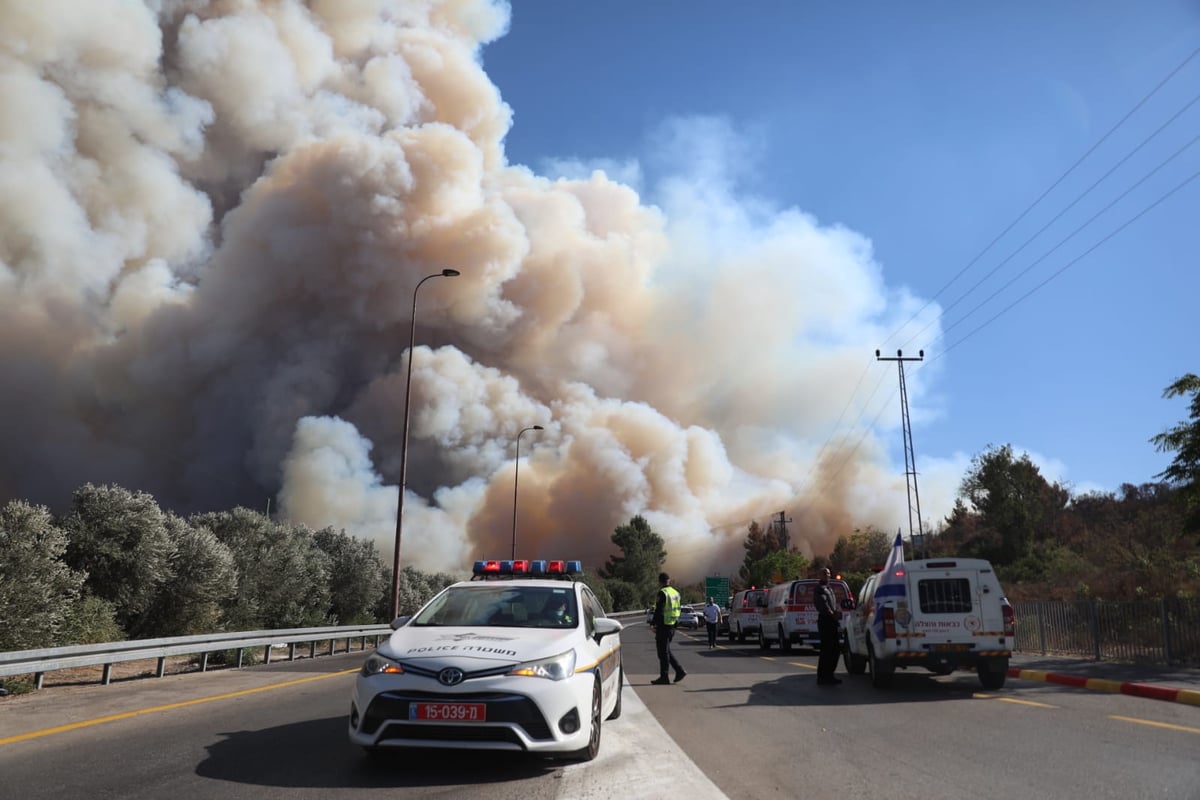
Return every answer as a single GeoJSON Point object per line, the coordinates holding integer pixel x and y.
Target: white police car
{"type": "Point", "coordinates": [521, 657]}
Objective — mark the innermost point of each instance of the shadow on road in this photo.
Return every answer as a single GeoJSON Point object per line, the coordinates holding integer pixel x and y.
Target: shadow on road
{"type": "Point", "coordinates": [803, 690]}
{"type": "Point", "coordinates": [317, 754]}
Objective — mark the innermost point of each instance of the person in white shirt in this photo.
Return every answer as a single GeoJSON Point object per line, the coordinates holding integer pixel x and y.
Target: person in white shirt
{"type": "Point", "coordinates": [712, 616]}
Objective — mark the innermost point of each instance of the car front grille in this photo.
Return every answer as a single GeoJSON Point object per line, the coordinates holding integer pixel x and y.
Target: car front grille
{"type": "Point", "coordinates": [507, 708]}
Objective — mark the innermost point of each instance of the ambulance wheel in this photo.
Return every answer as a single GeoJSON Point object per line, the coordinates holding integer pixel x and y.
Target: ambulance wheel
{"type": "Point", "coordinates": [785, 644]}
{"type": "Point", "coordinates": [616, 712]}
{"type": "Point", "coordinates": [992, 674]}
{"type": "Point", "coordinates": [881, 672]}
{"type": "Point", "coordinates": [763, 642]}
{"type": "Point", "coordinates": [855, 664]}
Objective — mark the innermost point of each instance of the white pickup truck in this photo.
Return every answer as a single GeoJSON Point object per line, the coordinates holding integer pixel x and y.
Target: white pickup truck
{"type": "Point", "coordinates": [941, 614]}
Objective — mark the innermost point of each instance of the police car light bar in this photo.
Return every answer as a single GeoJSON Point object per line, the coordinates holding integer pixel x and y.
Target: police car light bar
{"type": "Point", "coordinates": [523, 567]}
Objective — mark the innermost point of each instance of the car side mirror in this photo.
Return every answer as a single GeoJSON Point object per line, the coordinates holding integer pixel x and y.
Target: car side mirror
{"type": "Point", "coordinates": [400, 622]}
{"type": "Point", "coordinates": [848, 604]}
{"type": "Point", "coordinates": [606, 626]}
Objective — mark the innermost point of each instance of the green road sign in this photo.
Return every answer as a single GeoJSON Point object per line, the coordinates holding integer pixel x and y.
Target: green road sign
{"type": "Point", "coordinates": [717, 588]}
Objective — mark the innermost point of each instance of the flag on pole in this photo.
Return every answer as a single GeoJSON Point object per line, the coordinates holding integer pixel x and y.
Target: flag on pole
{"type": "Point", "coordinates": [891, 584]}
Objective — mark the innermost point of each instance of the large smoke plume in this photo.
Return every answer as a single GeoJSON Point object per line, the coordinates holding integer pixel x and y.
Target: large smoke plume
{"type": "Point", "coordinates": [213, 217]}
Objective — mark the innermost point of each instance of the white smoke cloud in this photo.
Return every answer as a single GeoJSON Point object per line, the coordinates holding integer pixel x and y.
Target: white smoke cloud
{"type": "Point", "coordinates": [213, 220]}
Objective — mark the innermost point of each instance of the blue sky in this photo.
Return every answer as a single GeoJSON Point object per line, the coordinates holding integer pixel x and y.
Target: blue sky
{"type": "Point", "coordinates": [930, 129]}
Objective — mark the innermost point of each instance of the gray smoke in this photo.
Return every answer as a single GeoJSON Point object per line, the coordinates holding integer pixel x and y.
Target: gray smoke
{"type": "Point", "coordinates": [214, 215]}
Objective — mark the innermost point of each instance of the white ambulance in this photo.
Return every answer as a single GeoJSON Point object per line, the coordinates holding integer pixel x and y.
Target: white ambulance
{"type": "Point", "coordinates": [745, 613]}
{"type": "Point", "coordinates": [940, 614]}
{"type": "Point", "coordinates": [790, 616]}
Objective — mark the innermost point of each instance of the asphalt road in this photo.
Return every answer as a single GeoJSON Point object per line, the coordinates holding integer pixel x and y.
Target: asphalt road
{"type": "Point", "coordinates": [743, 724]}
{"type": "Point", "coordinates": [759, 726]}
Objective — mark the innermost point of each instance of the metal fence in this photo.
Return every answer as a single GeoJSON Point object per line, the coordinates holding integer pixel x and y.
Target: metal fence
{"type": "Point", "coordinates": [1163, 631]}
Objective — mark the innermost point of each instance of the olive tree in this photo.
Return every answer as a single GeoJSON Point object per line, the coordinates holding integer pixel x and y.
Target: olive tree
{"type": "Point", "coordinates": [122, 541]}
{"type": "Point", "coordinates": [282, 575]}
{"type": "Point", "coordinates": [38, 591]}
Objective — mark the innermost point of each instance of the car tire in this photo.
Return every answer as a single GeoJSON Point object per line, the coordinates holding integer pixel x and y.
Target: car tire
{"type": "Point", "coordinates": [763, 642]}
{"type": "Point", "coordinates": [593, 746]}
{"type": "Point", "coordinates": [785, 644]}
{"type": "Point", "coordinates": [741, 637]}
{"type": "Point", "coordinates": [992, 675]}
{"type": "Point", "coordinates": [855, 664]}
{"type": "Point", "coordinates": [616, 712]}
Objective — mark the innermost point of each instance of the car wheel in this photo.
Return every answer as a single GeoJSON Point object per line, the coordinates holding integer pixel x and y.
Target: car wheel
{"type": "Point", "coordinates": [741, 634]}
{"type": "Point", "coordinates": [763, 642]}
{"type": "Point", "coordinates": [881, 672]}
{"type": "Point", "coordinates": [593, 746]}
{"type": "Point", "coordinates": [855, 664]}
{"type": "Point", "coordinates": [616, 712]}
{"type": "Point", "coordinates": [785, 644]}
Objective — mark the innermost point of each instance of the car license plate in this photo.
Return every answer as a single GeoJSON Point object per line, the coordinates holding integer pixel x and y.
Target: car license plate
{"type": "Point", "coordinates": [448, 712]}
{"type": "Point", "coordinates": [952, 648]}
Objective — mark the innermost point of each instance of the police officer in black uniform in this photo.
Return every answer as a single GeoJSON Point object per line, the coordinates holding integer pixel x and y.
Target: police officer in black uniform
{"type": "Point", "coordinates": [829, 618]}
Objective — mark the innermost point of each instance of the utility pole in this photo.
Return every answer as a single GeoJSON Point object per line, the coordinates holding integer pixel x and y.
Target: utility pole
{"type": "Point", "coordinates": [783, 532]}
{"type": "Point", "coordinates": [910, 459]}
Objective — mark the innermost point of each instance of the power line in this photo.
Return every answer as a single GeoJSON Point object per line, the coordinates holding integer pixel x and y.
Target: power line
{"type": "Point", "coordinates": [1067, 208]}
{"type": "Point", "coordinates": [1049, 189]}
{"type": "Point", "coordinates": [1079, 229]}
{"type": "Point", "coordinates": [1074, 261]}
{"type": "Point", "coordinates": [1004, 232]}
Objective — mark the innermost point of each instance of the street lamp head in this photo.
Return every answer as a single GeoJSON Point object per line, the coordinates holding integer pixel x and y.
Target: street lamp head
{"type": "Point", "coordinates": [538, 428]}
{"type": "Point", "coordinates": [450, 273]}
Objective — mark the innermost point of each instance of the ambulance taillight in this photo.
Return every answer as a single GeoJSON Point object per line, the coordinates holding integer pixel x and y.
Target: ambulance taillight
{"type": "Point", "coordinates": [889, 623]}
{"type": "Point", "coordinates": [1010, 620]}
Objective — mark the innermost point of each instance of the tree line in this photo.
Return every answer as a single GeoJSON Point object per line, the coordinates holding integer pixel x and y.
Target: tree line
{"type": "Point", "coordinates": [117, 566]}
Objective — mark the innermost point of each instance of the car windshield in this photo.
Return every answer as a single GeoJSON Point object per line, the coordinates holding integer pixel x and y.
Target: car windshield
{"type": "Point", "coordinates": [506, 605]}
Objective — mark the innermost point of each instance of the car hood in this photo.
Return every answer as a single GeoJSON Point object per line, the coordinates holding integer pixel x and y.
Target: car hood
{"type": "Point", "coordinates": [473, 647]}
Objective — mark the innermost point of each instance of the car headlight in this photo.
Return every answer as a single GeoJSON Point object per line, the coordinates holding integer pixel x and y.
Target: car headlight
{"type": "Point", "coordinates": [378, 665]}
{"type": "Point", "coordinates": [556, 668]}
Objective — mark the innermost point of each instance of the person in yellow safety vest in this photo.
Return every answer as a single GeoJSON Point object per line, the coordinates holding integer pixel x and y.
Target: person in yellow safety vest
{"type": "Point", "coordinates": [666, 617]}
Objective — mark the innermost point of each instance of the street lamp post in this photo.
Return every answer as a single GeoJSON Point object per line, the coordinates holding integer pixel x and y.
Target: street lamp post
{"type": "Point", "coordinates": [516, 473]}
{"type": "Point", "coordinates": [412, 339]}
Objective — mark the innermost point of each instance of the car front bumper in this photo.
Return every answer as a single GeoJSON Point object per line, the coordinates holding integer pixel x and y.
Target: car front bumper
{"type": "Point", "coordinates": [529, 714]}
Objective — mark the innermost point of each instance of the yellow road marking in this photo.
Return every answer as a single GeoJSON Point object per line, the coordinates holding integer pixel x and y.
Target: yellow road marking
{"type": "Point", "coordinates": [170, 707]}
{"type": "Point", "coordinates": [1167, 725]}
{"type": "Point", "coordinates": [799, 664]}
{"type": "Point", "coordinates": [981, 696]}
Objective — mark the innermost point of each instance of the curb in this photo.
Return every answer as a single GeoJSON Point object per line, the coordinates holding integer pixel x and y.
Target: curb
{"type": "Point", "coordinates": [1146, 690]}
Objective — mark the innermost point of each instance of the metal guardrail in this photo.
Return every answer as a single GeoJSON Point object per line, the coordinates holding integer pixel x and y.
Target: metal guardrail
{"type": "Point", "coordinates": [50, 659]}
{"type": "Point", "coordinates": [39, 662]}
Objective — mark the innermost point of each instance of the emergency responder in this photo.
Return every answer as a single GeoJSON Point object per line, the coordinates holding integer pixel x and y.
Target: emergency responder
{"type": "Point", "coordinates": [828, 621]}
{"type": "Point", "coordinates": [666, 616]}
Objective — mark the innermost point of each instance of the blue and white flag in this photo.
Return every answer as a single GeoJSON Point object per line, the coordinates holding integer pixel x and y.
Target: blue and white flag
{"type": "Point", "coordinates": [891, 584]}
